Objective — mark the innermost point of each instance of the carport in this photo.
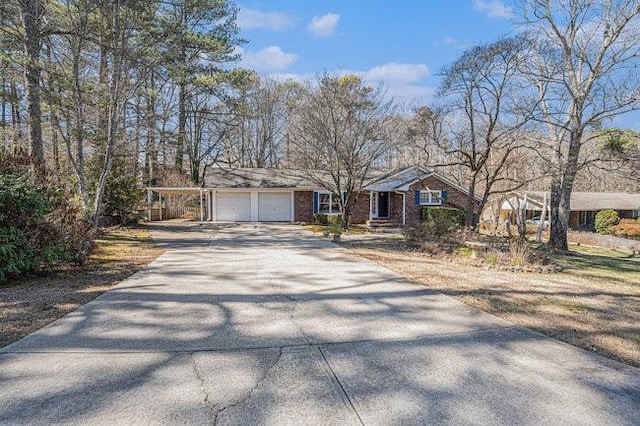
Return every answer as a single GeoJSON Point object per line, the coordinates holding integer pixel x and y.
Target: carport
{"type": "Point", "coordinates": [165, 192]}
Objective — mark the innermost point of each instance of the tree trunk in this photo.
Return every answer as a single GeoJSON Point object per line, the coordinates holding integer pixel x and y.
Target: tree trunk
{"type": "Point", "coordinates": [561, 189]}
{"type": "Point", "coordinates": [3, 121]}
{"type": "Point", "coordinates": [469, 208]}
{"type": "Point", "coordinates": [16, 119]}
{"type": "Point", "coordinates": [560, 209]}
{"type": "Point", "coordinates": [543, 217]}
{"type": "Point", "coordinates": [150, 150]}
{"type": "Point", "coordinates": [117, 50]}
{"type": "Point", "coordinates": [182, 125]}
{"type": "Point", "coordinates": [31, 19]}
{"type": "Point", "coordinates": [56, 148]}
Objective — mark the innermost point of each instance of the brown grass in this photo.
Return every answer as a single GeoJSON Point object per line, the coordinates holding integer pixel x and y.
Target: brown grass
{"type": "Point", "coordinates": [594, 303]}
{"type": "Point", "coordinates": [31, 303]}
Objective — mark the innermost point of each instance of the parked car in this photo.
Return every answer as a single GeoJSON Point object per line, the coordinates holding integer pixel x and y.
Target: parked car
{"type": "Point", "coordinates": [536, 221]}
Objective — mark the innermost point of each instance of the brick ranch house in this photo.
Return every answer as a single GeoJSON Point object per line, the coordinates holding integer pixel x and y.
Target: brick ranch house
{"type": "Point", "coordinates": [286, 195]}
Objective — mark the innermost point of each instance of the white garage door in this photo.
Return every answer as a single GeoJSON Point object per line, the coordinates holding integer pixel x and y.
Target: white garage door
{"type": "Point", "coordinates": [233, 206]}
{"type": "Point", "coordinates": [274, 206]}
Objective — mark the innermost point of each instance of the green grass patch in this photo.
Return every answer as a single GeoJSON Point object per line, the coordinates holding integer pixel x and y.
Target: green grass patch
{"type": "Point", "coordinates": [602, 264]}
{"type": "Point", "coordinates": [464, 252]}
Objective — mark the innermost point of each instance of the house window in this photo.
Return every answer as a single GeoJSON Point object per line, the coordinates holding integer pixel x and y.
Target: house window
{"type": "Point", "coordinates": [586, 219]}
{"type": "Point", "coordinates": [328, 203]}
{"type": "Point", "coordinates": [430, 198]}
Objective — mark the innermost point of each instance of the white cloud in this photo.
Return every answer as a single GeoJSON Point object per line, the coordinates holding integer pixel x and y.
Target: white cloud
{"type": "Point", "coordinates": [253, 18]}
{"type": "Point", "coordinates": [323, 26]}
{"type": "Point", "coordinates": [270, 58]}
{"type": "Point", "coordinates": [397, 72]}
{"type": "Point", "coordinates": [402, 81]}
{"type": "Point", "coordinates": [447, 41]}
{"type": "Point", "coordinates": [492, 8]}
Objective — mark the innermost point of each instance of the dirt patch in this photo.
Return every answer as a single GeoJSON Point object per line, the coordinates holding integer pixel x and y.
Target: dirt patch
{"type": "Point", "coordinates": [29, 304]}
{"type": "Point", "coordinates": [594, 303]}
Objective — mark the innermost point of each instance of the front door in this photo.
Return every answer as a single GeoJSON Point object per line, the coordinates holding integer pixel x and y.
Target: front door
{"type": "Point", "coordinates": [383, 204]}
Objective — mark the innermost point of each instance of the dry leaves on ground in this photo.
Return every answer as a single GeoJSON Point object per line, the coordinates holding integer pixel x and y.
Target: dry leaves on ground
{"type": "Point", "coordinates": [29, 304]}
{"type": "Point", "coordinates": [596, 309]}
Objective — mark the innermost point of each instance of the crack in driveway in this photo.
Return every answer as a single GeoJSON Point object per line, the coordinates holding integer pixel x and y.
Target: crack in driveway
{"type": "Point", "coordinates": [251, 391]}
{"type": "Point", "coordinates": [292, 319]}
{"type": "Point", "coordinates": [203, 388]}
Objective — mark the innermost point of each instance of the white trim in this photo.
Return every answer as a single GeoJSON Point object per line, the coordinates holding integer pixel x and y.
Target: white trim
{"type": "Point", "coordinates": [331, 195]}
{"type": "Point", "coordinates": [370, 205]}
{"type": "Point", "coordinates": [430, 200]}
{"type": "Point", "coordinates": [375, 213]}
{"type": "Point", "coordinates": [214, 205]}
{"type": "Point", "coordinates": [149, 197]}
{"type": "Point", "coordinates": [201, 208]}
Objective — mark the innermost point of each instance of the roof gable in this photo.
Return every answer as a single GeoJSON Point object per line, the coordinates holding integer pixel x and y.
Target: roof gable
{"type": "Point", "coordinates": [398, 180]}
{"type": "Point", "coordinates": [402, 179]}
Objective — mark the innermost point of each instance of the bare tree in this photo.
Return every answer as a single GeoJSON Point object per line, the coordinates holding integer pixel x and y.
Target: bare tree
{"type": "Point", "coordinates": [489, 107]}
{"type": "Point", "coordinates": [207, 128]}
{"type": "Point", "coordinates": [585, 68]}
{"type": "Point", "coordinates": [257, 136]}
{"type": "Point", "coordinates": [339, 126]}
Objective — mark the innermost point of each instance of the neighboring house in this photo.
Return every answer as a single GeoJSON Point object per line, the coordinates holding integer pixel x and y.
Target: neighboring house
{"type": "Point", "coordinates": [285, 195]}
{"type": "Point", "coordinates": [584, 205]}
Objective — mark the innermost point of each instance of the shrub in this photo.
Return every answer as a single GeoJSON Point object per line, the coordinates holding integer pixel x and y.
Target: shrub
{"type": "Point", "coordinates": [606, 220]}
{"type": "Point", "coordinates": [519, 252]}
{"type": "Point", "coordinates": [39, 223]}
{"type": "Point", "coordinates": [321, 219]}
{"type": "Point", "coordinates": [628, 228]}
{"type": "Point", "coordinates": [450, 216]}
{"type": "Point", "coordinates": [437, 222]}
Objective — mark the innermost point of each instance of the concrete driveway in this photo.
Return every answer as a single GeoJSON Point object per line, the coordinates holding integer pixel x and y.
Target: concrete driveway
{"type": "Point", "coordinates": [258, 324]}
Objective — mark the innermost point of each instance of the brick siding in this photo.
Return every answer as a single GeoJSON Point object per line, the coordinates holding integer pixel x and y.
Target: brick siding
{"type": "Point", "coordinates": [303, 206]}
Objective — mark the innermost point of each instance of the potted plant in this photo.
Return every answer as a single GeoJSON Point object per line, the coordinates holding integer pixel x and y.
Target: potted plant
{"type": "Point", "coordinates": [336, 230]}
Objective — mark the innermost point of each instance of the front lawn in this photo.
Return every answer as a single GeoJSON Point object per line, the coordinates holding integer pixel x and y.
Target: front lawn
{"type": "Point", "coordinates": [594, 303]}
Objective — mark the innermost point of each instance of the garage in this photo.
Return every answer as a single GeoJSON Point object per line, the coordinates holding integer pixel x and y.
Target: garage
{"type": "Point", "coordinates": [233, 206]}
{"type": "Point", "coordinates": [274, 206]}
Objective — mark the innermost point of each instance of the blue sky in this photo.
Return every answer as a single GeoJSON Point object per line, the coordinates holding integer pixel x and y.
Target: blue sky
{"type": "Point", "coordinates": [404, 44]}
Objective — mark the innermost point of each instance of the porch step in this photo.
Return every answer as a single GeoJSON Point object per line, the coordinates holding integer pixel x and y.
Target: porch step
{"type": "Point", "coordinates": [383, 223]}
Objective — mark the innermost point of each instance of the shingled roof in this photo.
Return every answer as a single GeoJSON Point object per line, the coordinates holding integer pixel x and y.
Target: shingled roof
{"type": "Point", "coordinates": [261, 178]}
{"type": "Point", "coordinates": [257, 178]}
{"type": "Point", "coordinates": [593, 201]}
